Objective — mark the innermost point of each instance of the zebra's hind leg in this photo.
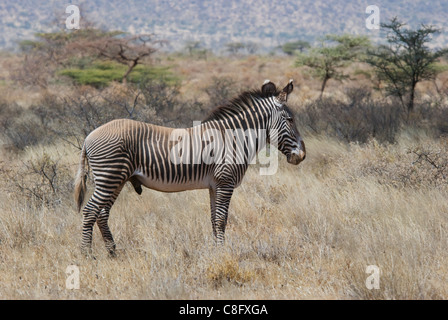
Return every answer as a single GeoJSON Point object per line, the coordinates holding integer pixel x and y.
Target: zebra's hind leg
{"type": "Point", "coordinates": [90, 215]}
{"type": "Point", "coordinates": [103, 225]}
{"type": "Point", "coordinates": [105, 231]}
{"type": "Point", "coordinates": [97, 210]}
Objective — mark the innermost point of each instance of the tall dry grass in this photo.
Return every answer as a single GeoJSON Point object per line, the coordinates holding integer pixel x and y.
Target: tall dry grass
{"type": "Point", "coordinates": [306, 232]}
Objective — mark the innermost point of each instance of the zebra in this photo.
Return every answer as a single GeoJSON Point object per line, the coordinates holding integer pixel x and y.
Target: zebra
{"type": "Point", "coordinates": [125, 150]}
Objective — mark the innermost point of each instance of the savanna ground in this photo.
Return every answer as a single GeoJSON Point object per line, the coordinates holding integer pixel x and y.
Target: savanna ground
{"type": "Point", "coordinates": [372, 191]}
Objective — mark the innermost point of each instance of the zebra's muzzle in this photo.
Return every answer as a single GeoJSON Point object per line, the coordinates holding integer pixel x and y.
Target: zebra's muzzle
{"type": "Point", "coordinates": [296, 156]}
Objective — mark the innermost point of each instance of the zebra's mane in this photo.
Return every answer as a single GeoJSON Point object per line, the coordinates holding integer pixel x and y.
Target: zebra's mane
{"type": "Point", "coordinates": [237, 105]}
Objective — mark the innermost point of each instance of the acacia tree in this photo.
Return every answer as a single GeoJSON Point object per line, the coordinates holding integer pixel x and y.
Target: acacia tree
{"type": "Point", "coordinates": [334, 53]}
{"type": "Point", "coordinates": [50, 51]}
{"type": "Point", "coordinates": [127, 50]}
{"type": "Point", "coordinates": [234, 47]}
{"type": "Point", "coordinates": [405, 60]}
{"type": "Point", "coordinates": [196, 49]}
{"type": "Point", "coordinates": [56, 50]}
{"type": "Point", "coordinates": [290, 48]}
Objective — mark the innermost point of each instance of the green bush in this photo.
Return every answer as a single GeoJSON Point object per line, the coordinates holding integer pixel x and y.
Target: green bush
{"type": "Point", "coordinates": [153, 74]}
{"type": "Point", "coordinates": [101, 73]}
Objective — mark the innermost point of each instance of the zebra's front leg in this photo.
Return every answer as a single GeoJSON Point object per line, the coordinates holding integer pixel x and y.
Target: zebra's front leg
{"type": "Point", "coordinates": [212, 191]}
{"type": "Point", "coordinates": [222, 202]}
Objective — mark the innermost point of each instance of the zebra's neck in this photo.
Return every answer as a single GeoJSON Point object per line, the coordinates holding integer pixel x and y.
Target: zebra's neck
{"type": "Point", "coordinates": [244, 134]}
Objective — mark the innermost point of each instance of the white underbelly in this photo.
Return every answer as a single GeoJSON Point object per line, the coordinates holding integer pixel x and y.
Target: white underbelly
{"type": "Point", "coordinates": [165, 186]}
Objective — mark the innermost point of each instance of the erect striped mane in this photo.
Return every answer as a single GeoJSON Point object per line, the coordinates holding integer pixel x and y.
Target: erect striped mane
{"type": "Point", "coordinates": [237, 105]}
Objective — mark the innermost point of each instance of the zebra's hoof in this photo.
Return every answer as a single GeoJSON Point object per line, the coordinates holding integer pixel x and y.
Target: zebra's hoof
{"type": "Point", "coordinates": [87, 253]}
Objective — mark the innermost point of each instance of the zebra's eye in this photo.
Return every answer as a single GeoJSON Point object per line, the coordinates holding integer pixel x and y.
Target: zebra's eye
{"type": "Point", "coordinates": [289, 119]}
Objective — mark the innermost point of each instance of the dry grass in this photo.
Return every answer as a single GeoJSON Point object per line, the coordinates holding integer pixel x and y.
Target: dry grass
{"type": "Point", "coordinates": [307, 232]}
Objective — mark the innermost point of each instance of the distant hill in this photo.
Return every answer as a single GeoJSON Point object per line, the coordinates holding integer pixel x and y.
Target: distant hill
{"type": "Point", "coordinates": [215, 23]}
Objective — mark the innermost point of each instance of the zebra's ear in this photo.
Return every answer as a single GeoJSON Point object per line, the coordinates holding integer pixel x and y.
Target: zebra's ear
{"type": "Point", "coordinates": [283, 95]}
{"type": "Point", "coordinates": [289, 87]}
{"type": "Point", "coordinates": [268, 88]}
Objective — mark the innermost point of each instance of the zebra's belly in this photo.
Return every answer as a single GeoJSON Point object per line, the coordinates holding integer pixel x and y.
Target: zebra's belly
{"type": "Point", "coordinates": [168, 186]}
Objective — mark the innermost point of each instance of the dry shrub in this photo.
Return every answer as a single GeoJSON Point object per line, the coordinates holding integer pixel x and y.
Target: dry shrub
{"type": "Point", "coordinates": [358, 119]}
{"type": "Point", "coordinates": [221, 89]}
{"type": "Point", "coordinates": [421, 165]}
{"type": "Point", "coordinates": [225, 267]}
{"type": "Point", "coordinates": [40, 180]}
{"type": "Point", "coordinates": [72, 117]}
{"type": "Point", "coordinates": [20, 127]}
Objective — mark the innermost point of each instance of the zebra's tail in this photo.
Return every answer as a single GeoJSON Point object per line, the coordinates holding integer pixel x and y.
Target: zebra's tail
{"type": "Point", "coordinates": [80, 180]}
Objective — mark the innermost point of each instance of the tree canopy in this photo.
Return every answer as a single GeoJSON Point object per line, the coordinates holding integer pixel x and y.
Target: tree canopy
{"type": "Point", "coordinates": [405, 60]}
{"type": "Point", "coordinates": [334, 52]}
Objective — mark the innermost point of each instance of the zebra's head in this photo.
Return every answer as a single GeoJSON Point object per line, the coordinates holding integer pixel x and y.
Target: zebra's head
{"type": "Point", "coordinates": [282, 130]}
